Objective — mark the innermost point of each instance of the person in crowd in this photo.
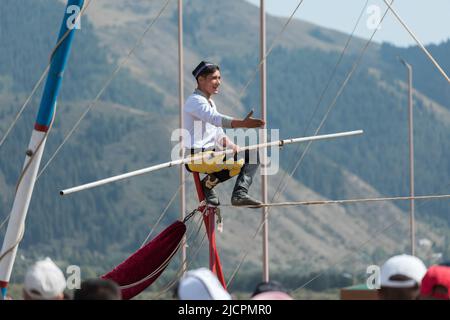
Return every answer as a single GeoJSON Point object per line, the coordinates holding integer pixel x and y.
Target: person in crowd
{"type": "Point", "coordinates": [401, 277]}
{"type": "Point", "coordinates": [201, 284]}
{"type": "Point", "coordinates": [44, 280]}
{"type": "Point", "coordinates": [98, 289]}
{"type": "Point", "coordinates": [436, 283]}
{"type": "Point", "coordinates": [271, 290]}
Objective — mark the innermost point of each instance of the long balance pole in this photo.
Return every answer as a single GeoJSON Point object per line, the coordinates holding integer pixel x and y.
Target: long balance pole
{"type": "Point", "coordinates": [206, 157]}
{"type": "Point", "coordinates": [35, 149]}
{"type": "Point", "coordinates": [263, 74]}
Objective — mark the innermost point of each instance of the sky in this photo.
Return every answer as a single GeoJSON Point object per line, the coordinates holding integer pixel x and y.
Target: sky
{"type": "Point", "coordinates": [428, 19]}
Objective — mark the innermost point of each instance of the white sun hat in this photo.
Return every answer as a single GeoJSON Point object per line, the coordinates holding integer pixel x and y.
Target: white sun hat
{"type": "Point", "coordinates": [201, 284]}
{"type": "Point", "coordinates": [44, 280]}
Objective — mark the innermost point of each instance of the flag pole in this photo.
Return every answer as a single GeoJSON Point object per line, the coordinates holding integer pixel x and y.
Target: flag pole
{"type": "Point", "coordinates": [25, 186]}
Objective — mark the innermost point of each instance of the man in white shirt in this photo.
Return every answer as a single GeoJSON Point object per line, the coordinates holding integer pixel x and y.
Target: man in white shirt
{"type": "Point", "coordinates": [204, 124]}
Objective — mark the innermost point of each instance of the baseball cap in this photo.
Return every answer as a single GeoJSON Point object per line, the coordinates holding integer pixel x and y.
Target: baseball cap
{"type": "Point", "coordinates": [201, 284]}
{"type": "Point", "coordinates": [409, 267]}
{"type": "Point", "coordinates": [436, 276]}
{"type": "Point", "coordinates": [44, 280]}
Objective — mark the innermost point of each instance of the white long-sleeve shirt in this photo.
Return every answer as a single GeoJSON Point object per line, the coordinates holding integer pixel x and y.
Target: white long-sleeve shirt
{"type": "Point", "coordinates": [203, 122]}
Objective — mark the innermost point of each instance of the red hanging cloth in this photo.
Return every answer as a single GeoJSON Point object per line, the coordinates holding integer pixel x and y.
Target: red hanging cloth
{"type": "Point", "coordinates": [149, 261]}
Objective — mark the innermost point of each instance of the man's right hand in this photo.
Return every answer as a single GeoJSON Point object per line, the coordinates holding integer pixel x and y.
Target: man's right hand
{"type": "Point", "coordinates": [248, 122]}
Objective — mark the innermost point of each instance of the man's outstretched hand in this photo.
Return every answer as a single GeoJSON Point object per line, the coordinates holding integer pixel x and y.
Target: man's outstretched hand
{"type": "Point", "coordinates": [248, 122]}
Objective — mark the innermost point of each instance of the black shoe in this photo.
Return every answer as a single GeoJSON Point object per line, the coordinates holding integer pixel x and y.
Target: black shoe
{"type": "Point", "coordinates": [244, 200]}
{"type": "Point", "coordinates": [208, 183]}
{"type": "Point", "coordinates": [240, 195]}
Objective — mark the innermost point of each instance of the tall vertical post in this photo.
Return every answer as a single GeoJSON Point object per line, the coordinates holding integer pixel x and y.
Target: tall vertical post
{"type": "Point", "coordinates": [411, 157]}
{"type": "Point", "coordinates": [181, 102]}
{"type": "Point", "coordinates": [16, 224]}
{"type": "Point", "coordinates": [263, 75]}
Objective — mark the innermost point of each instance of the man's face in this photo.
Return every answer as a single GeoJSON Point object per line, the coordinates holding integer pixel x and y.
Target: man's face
{"type": "Point", "coordinates": [210, 84]}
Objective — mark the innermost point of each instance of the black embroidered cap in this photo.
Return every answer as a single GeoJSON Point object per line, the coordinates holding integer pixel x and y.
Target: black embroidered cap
{"type": "Point", "coordinates": [203, 66]}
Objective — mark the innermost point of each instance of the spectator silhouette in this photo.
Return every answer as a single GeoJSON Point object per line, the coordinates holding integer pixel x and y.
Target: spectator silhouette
{"type": "Point", "coordinates": [98, 289]}
{"type": "Point", "coordinates": [44, 281]}
{"type": "Point", "coordinates": [201, 284]}
{"type": "Point", "coordinates": [271, 290]}
{"type": "Point", "coordinates": [401, 277]}
{"type": "Point", "coordinates": [436, 283]}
